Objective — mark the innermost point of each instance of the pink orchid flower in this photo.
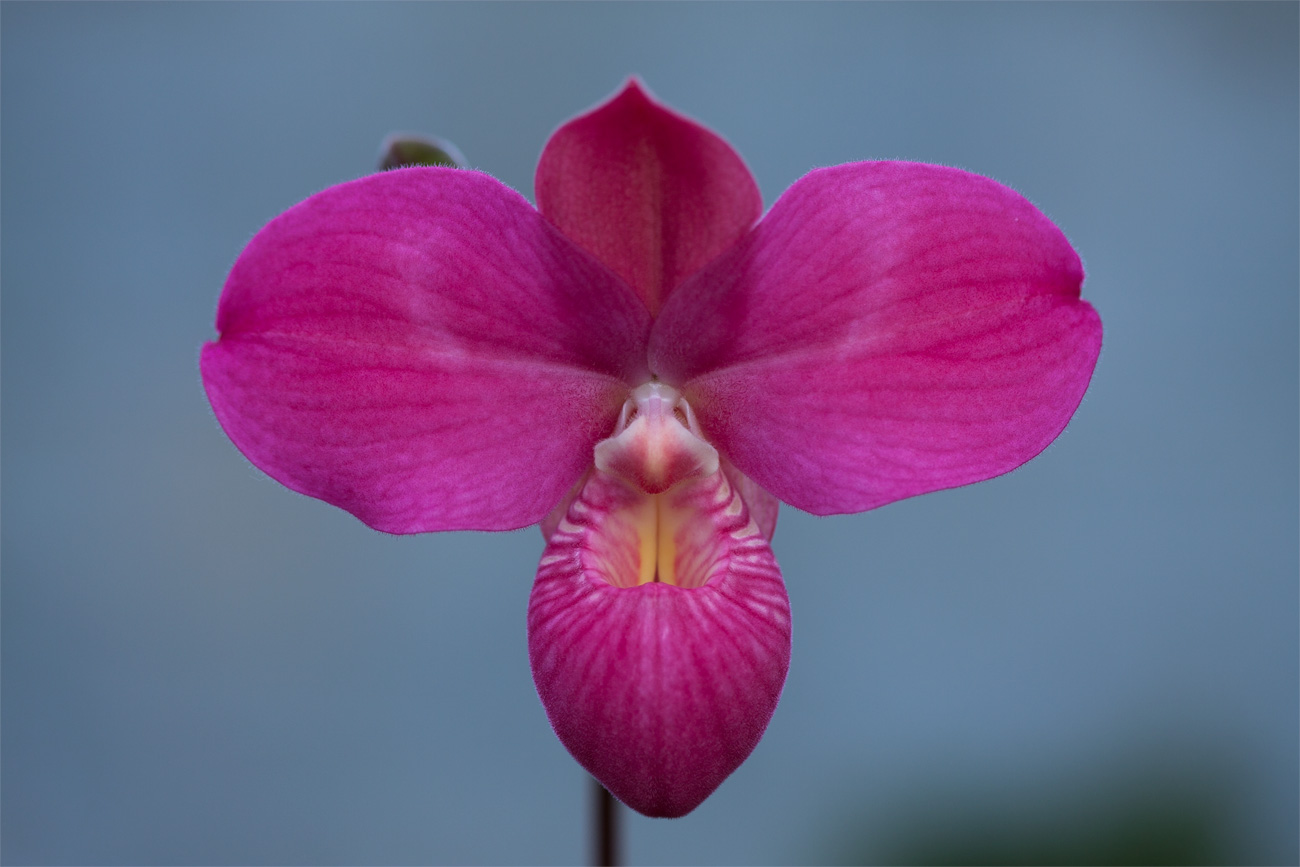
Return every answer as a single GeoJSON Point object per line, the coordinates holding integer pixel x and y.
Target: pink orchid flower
{"type": "Point", "coordinates": [644, 367]}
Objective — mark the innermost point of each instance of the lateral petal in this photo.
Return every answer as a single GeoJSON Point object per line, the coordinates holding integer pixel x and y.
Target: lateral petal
{"type": "Point", "coordinates": [888, 329]}
{"type": "Point", "coordinates": [652, 194]}
{"type": "Point", "coordinates": [421, 348]}
{"type": "Point", "coordinates": [659, 690]}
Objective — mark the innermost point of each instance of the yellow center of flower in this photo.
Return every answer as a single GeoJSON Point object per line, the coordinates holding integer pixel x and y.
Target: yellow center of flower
{"type": "Point", "coordinates": [657, 523]}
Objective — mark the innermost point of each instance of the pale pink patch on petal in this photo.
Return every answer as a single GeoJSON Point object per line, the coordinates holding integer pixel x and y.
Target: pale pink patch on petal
{"type": "Point", "coordinates": [652, 194]}
{"type": "Point", "coordinates": [421, 348]}
{"type": "Point", "coordinates": [763, 507]}
{"type": "Point", "coordinates": [888, 329]}
{"type": "Point", "coordinates": [553, 518]}
{"type": "Point", "coordinates": [659, 690]}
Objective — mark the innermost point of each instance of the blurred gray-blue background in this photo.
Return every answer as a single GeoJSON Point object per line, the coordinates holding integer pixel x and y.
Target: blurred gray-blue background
{"type": "Point", "coordinates": [1093, 659]}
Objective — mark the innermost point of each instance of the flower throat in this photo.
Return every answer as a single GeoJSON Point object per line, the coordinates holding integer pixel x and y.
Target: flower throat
{"type": "Point", "coordinates": [653, 477]}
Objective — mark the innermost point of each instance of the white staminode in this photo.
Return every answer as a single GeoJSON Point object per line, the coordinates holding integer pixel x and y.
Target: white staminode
{"type": "Point", "coordinates": [657, 441]}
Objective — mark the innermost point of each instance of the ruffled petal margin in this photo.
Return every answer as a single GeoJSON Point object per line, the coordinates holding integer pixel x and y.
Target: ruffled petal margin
{"type": "Point", "coordinates": [423, 349]}
{"type": "Point", "coordinates": [652, 194]}
{"type": "Point", "coordinates": [659, 690]}
{"type": "Point", "coordinates": [888, 329]}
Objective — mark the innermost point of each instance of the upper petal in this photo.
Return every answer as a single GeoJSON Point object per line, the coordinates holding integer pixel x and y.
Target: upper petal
{"type": "Point", "coordinates": [888, 329]}
{"type": "Point", "coordinates": [423, 349]}
{"type": "Point", "coordinates": [652, 194]}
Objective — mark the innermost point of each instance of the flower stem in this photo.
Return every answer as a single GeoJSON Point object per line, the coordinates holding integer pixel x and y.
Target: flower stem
{"type": "Point", "coordinates": [605, 827]}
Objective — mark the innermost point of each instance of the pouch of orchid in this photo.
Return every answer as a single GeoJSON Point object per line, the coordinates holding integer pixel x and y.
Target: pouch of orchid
{"type": "Point", "coordinates": [644, 367]}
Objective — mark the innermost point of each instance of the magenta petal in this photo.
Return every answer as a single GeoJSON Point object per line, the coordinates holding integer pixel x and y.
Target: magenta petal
{"type": "Point", "coordinates": [659, 691]}
{"type": "Point", "coordinates": [423, 349]}
{"type": "Point", "coordinates": [652, 194]}
{"type": "Point", "coordinates": [888, 329]}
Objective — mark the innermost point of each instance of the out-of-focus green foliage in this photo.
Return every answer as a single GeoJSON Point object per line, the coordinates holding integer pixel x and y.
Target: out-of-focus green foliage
{"type": "Point", "coordinates": [1151, 813]}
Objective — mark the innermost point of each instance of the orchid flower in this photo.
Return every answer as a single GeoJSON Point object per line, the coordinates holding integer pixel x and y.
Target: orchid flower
{"type": "Point", "coordinates": [644, 367]}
